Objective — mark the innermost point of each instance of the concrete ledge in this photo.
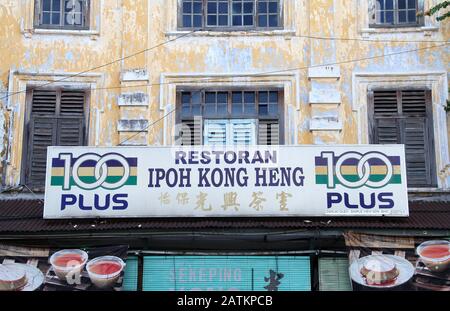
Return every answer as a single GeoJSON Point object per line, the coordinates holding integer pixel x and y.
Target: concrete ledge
{"type": "Point", "coordinates": [324, 72]}
{"type": "Point", "coordinates": [133, 99]}
{"type": "Point", "coordinates": [243, 33]}
{"type": "Point", "coordinates": [132, 125]}
{"type": "Point", "coordinates": [133, 139]}
{"type": "Point", "coordinates": [424, 29]}
{"type": "Point", "coordinates": [134, 75]}
{"type": "Point", "coordinates": [325, 124]}
{"type": "Point", "coordinates": [322, 97]}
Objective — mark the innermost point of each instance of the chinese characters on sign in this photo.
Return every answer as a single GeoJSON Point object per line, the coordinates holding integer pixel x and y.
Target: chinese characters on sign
{"type": "Point", "coordinates": [274, 281]}
{"type": "Point", "coordinates": [230, 201]}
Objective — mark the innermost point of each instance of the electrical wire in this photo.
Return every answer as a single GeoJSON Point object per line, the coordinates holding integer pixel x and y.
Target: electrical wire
{"type": "Point", "coordinates": [215, 79]}
{"type": "Point", "coordinates": [208, 79]}
{"type": "Point", "coordinates": [35, 195]}
{"type": "Point", "coordinates": [147, 127]}
{"type": "Point", "coordinates": [280, 71]}
{"type": "Point", "coordinates": [191, 32]}
{"type": "Point", "coordinates": [245, 75]}
{"type": "Point", "coordinates": [101, 66]}
{"type": "Point", "coordinates": [353, 39]}
{"type": "Point", "coordinates": [353, 60]}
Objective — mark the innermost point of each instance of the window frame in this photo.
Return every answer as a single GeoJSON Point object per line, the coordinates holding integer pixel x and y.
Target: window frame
{"type": "Point", "coordinates": [230, 27]}
{"type": "Point", "coordinates": [419, 20]}
{"type": "Point", "coordinates": [25, 165]}
{"type": "Point", "coordinates": [38, 13]}
{"type": "Point", "coordinates": [279, 117]}
{"type": "Point", "coordinates": [430, 129]}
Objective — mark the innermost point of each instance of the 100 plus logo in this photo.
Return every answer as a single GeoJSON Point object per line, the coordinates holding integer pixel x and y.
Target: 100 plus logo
{"type": "Point", "coordinates": [353, 170]}
{"type": "Point", "coordinates": [91, 172]}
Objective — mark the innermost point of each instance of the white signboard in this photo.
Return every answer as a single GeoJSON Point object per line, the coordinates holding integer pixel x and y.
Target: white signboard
{"type": "Point", "coordinates": [276, 181]}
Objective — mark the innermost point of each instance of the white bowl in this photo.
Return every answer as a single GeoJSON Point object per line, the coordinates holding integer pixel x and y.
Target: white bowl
{"type": "Point", "coordinates": [104, 279]}
{"type": "Point", "coordinates": [73, 268]}
{"type": "Point", "coordinates": [434, 264]}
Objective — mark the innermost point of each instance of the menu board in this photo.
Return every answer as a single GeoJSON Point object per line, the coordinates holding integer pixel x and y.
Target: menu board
{"type": "Point", "coordinates": [44, 269]}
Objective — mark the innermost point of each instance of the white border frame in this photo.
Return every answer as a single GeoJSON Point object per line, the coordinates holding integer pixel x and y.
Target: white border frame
{"type": "Point", "coordinates": [288, 81]}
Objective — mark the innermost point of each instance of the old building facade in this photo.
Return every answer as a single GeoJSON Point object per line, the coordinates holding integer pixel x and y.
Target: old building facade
{"type": "Point", "coordinates": [268, 72]}
{"type": "Point", "coordinates": [320, 61]}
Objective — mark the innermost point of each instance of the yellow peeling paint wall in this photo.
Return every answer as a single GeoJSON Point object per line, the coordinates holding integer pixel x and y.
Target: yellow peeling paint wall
{"type": "Point", "coordinates": [322, 105]}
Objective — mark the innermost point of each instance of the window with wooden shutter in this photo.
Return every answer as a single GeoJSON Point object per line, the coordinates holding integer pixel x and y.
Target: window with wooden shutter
{"type": "Point", "coordinates": [191, 132]}
{"type": "Point", "coordinates": [216, 132]}
{"type": "Point", "coordinates": [268, 132]}
{"type": "Point", "coordinates": [57, 118]}
{"type": "Point", "coordinates": [251, 116]}
{"type": "Point", "coordinates": [230, 132]}
{"type": "Point", "coordinates": [242, 132]}
{"type": "Point", "coordinates": [405, 117]}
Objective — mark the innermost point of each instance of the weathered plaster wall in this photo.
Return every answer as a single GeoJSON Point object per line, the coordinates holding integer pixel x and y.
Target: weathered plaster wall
{"type": "Point", "coordinates": [32, 57]}
{"type": "Point", "coordinates": [210, 58]}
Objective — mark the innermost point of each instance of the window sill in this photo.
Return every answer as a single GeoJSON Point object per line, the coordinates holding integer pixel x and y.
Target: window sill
{"type": "Point", "coordinates": [428, 190]}
{"type": "Point", "coordinates": [428, 194]}
{"type": "Point", "coordinates": [62, 32]}
{"type": "Point", "coordinates": [394, 30]}
{"type": "Point", "coordinates": [237, 33]}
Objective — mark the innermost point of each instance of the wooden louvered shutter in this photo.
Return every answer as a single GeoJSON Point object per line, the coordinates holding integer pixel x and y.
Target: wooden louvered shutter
{"type": "Point", "coordinates": [215, 132]}
{"type": "Point", "coordinates": [70, 132]}
{"type": "Point", "coordinates": [372, 12]}
{"type": "Point", "coordinates": [242, 132]}
{"type": "Point", "coordinates": [191, 133]}
{"type": "Point", "coordinates": [417, 137]}
{"type": "Point", "coordinates": [268, 132]}
{"type": "Point", "coordinates": [37, 13]}
{"type": "Point", "coordinates": [57, 119]}
{"type": "Point", "coordinates": [72, 103]}
{"type": "Point", "coordinates": [404, 117]}
{"type": "Point", "coordinates": [86, 13]}
{"type": "Point", "coordinates": [385, 119]}
{"type": "Point", "coordinates": [44, 103]}
{"type": "Point", "coordinates": [71, 119]}
{"type": "Point", "coordinates": [42, 131]}
{"type": "Point", "coordinates": [387, 131]}
{"type": "Point", "coordinates": [42, 135]}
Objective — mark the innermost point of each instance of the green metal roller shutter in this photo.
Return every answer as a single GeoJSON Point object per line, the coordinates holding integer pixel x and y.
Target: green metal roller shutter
{"type": "Point", "coordinates": [130, 278]}
{"type": "Point", "coordinates": [333, 274]}
{"type": "Point", "coordinates": [215, 273]}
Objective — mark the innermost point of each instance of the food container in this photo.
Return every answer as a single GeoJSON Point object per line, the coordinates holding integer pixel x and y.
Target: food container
{"type": "Point", "coordinates": [68, 263]}
{"type": "Point", "coordinates": [435, 255]}
{"type": "Point", "coordinates": [379, 270]}
{"type": "Point", "coordinates": [399, 269]}
{"type": "Point", "coordinates": [105, 271]}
